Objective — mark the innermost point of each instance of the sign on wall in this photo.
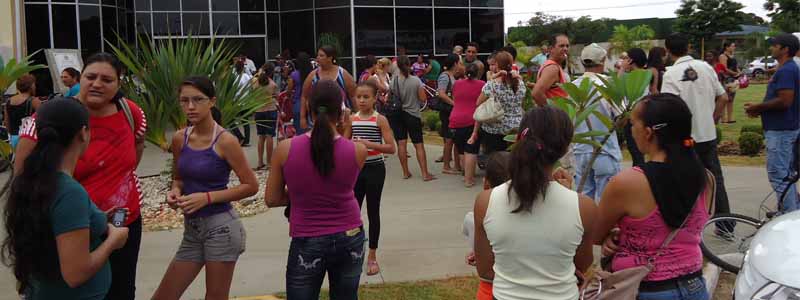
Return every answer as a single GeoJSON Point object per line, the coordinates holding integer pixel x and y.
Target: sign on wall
{"type": "Point", "coordinates": [60, 59]}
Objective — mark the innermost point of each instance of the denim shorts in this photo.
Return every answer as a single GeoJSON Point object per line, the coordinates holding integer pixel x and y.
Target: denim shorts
{"type": "Point", "coordinates": [218, 238]}
{"type": "Point", "coordinates": [689, 289]}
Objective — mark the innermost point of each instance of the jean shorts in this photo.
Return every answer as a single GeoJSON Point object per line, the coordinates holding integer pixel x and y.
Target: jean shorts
{"type": "Point", "coordinates": [216, 238]}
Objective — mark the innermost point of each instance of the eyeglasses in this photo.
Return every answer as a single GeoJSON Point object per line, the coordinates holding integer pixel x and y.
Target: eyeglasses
{"type": "Point", "coordinates": [184, 101]}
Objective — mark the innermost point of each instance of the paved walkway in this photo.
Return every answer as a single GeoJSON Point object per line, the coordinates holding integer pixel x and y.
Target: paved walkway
{"type": "Point", "coordinates": [420, 237]}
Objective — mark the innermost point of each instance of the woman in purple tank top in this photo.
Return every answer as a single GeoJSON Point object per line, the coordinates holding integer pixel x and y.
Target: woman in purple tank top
{"type": "Point", "coordinates": [317, 173]}
{"type": "Point", "coordinates": [203, 157]}
{"type": "Point", "coordinates": [664, 195]}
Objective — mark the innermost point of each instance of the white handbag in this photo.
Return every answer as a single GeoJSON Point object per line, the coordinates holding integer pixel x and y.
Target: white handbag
{"type": "Point", "coordinates": [490, 111]}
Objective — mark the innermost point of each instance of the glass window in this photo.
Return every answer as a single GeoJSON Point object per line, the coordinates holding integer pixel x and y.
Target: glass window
{"type": "Point", "coordinates": [67, 34]}
{"type": "Point", "coordinates": [273, 34]}
{"type": "Point", "coordinates": [196, 24]}
{"type": "Point", "coordinates": [374, 2]}
{"type": "Point", "coordinates": [295, 32]}
{"type": "Point", "coordinates": [82, 1]}
{"type": "Point", "coordinates": [487, 3]}
{"type": "Point", "coordinates": [252, 47]}
{"type": "Point", "coordinates": [296, 4]}
{"type": "Point", "coordinates": [128, 4]}
{"type": "Point", "coordinates": [253, 23]}
{"type": "Point", "coordinates": [251, 5]}
{"type": "Point", "coordinates": [347, 64]}
{"type": "Point", "coordinates": [90, 18]}
{"type": "Point", "coordinates": [37, 27]}
{"type": "Point", "coordinates": [452, 28]}
{"type": "Point", "coordinates": [272, 5]}
{"type": "Point", "coordinates": [226, 23]}
{"type": "Point", "coordinates": [415, 33]}
{"type": "Point", "coordinates": [110, 28]}
{"type": "Point", "coordinates": [224, 5]}
{"type": "Point", "coordinates": [413, 2]}
{"type": "Point", "coordinates": [487, 29]}
{"type": "Point", "coordinates": [131, 24]}
{"type": "Point", "coordinates": [122, 25]}
{"type": "Point", "coordinates": [166, 24]}
{"type": "Point", "coordinates": [166, 5]}
{"type": "Point", "coordinates": [329, 3]}
{"type": "Point", "coordinates": [143, 25]}
{"type": "Point", "coordinates": [455, 3]}
{"type": "Point", "coordinates": [333, 28]}
{"type": "Point", "coordinates": [195, 5]}
{"type": "Point", "coordinates": [142, 5]}
{"type": "Point", "coordinates": [374, 31]}
{"type": "Point", "coordinates": [110, 2]}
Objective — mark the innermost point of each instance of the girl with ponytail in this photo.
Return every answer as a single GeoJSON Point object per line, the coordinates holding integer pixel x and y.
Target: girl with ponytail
{"type": "Point", "coordinates": [318, 172]}
{"type": "Point", "coordinates": [669, 192]}
{"type": "Point", "coordinates": [54, 233]}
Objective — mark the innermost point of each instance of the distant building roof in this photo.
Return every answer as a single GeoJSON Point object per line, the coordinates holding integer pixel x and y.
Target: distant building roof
{"type": "Point", "coordinates": [746, 29]}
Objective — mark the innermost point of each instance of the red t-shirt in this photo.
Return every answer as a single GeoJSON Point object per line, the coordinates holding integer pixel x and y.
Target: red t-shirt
{"type": "Point", "coordinates": [107, 169]}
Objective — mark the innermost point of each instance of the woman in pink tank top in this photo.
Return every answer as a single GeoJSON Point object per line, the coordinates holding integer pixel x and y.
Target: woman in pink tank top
{"type": "Point", "coordinates": [643, 205]}
{"type": "Point", "coordinates": [317, 172]}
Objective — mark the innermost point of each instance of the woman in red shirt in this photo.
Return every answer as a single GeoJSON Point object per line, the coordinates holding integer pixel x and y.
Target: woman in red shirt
{"type": "Point", "coordinates": [107, 168]}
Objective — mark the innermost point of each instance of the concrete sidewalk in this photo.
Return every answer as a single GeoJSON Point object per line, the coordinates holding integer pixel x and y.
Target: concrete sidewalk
{"type": "Point", "coordinates": [421, 231]}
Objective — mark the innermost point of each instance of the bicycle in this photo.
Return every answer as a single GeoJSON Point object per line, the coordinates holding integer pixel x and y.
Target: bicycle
{"type": "Point", "coordinates": [726, 237]}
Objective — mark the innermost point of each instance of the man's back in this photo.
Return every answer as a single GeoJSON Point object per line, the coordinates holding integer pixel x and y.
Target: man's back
{"type": "Point", "coordinates": [697, 84]}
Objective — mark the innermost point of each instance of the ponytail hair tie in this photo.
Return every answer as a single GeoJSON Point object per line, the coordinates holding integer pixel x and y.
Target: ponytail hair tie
{"type": "Point", "coordinates": [688, 143]}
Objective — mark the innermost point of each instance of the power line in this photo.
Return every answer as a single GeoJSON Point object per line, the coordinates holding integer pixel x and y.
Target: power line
{"type": "Point", "coordinates": [596, 8]}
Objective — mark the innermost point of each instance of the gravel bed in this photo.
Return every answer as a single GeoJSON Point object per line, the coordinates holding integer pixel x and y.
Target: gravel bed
{"type": "Point", "coordinates": [157, 216]}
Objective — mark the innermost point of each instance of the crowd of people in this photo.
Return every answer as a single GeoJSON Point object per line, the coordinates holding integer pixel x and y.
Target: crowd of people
{"type": "Point", "coordinates": [75, 162]}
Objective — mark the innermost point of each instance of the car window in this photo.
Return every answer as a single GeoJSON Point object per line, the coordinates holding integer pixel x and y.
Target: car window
{"type": "Point", "coordinates": [769, 60]}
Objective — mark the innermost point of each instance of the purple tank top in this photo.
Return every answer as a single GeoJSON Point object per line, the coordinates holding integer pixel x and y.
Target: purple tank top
{"type": "Point", "coordinates": [321, 205]}
{"type": "Point", "coordinates": [298, 85]}
{"type": "Point", "coordinates": [204, 171]}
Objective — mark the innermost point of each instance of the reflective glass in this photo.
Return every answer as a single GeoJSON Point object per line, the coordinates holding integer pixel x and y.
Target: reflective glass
{"type": "Point", "coordinates": [452, 28]}
{"type": "Point", "coordinates": [295, 32]}
{"type": "Point", "coordinates": [487, 29]}
{"type": "Point", "coordinates": [165, 24]}
{"type": "Point", "coordinates": [166, 5]}
{"type": "Point", "coordinates": [374, 31]}
{"type": "Point", "coordinates": [196, 24]}
{"type": "Point", "coordinates": [226, 23]}
{"type": "Point", "coordinates": [415, 32]}
{"type": "Point", "coordinates": [253, 23]}
{"type": "Point", "coordinates": [333, 27]}
{"type": "Point", "coordinates": [90, 18]}
{"type": "Point", "coordinates": [195, 5]}
{"type": "Point", "coordinates": [273, 35]}
{"type": "Point", "coordinates": [67, 35]}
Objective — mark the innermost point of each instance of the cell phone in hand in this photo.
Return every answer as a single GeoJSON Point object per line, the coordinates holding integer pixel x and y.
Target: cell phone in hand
{"type": "Point", "coordinates": [118, 219]}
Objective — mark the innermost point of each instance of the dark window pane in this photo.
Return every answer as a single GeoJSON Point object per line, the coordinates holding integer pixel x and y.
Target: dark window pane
{"type": "Point", "coordinates": [88, 1]}
{"type": "Point", "coordinates": [224, 5]}
{"type": "Point", "coordinates": [109, 23]}
{"type": "Point", "coordinates": [196, 24]}
{"type": "Point", "coordinates": [374, 2]}
{"type": "Point", "coordinates": [252, 47]}
{"type": "Point", "coordinates": [252, 23]}
{"type": "Point", "coordinates": [452, 28]}
{"type": "Point", "coordinates": [122, 26]}
{"type": "Point", "coordinates": [456, 3]}
{"type": "Point", "coordinates": [329, 3]}
{"type": "Point", "coordinates": [296, 34]}
{"type": "Point", "coordinates": [273, 34]}
{"type": "Point", "coordinates": [374, 31]}
{"type": "Point", "coordinates": [195, 5]}
{"type": "Point", "coordinates": [413, 2]}
{"type": "Point", "coordinates": [272, 5]}
{"type": "Point", "coordinates": [487, 3]}
{"type": "Point", "coordinates": [166, 5]}
{"type": "Point", "coordinates": [415, 31]}
{"type": "Point", "coordinates": [166, 24]}
{"type": "Point", "coordinates": [251, 5]}
{"type": "Point", "coordinates": [37, 27]}
{"type": "Point", "coordinates": [347, 64]}
{"type": "Point", "coordinates": [142, 5]}
{"type": "Point", "coordinates": [226, 24]}
{"type": "Point", "coordinates": [487, 29]}
{"type": "Point", "coordinates": [110, 2]}
{"type": "Point", "coordinates": [131, 24]}
{"type": "Point", "coordinates": [296, 4]}
{"type": "Point", "coordinates": [143, 25]}
{"type": "Point", "coordinates": [128, 4]}
{"type": "Point", "coordinates": [67, 35]}
{"type": "Point", "coordinates": [90, 21]}
{"type": "Point", "coordinates": [333, 27]}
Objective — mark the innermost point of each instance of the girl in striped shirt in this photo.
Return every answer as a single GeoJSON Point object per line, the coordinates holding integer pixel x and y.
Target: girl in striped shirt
{"type": "Point", "coordinates": [371, 129]}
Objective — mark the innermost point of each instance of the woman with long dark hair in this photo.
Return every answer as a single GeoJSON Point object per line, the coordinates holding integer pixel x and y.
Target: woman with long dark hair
{"type": "Point", "coordinates": [656, 65]}
{"type": "Point", "coordinates": [636, 59]}
{"type": "Point", "coordinates": [447, 79]}
{"type": "Point", "coordinates": [462, 124]}
{"type": "Point", "coordinates": [267, 116]}
{"type": "Point", "coordinates": [107, 169]}
{"type": "Point", "coordinates": [532, 233]}
{"type": "Point", "coordinates": [295, 86]}
{"type": "Point", "coordinates": [665, 196]}
{"type": "Point", "coordinates": [729, 76]}
{"type": "Point", "coordinates": [55, 235]}
{"type": "Point", "coordinates": [509, 91]}
{"type": "Point", "coordinates": [318, 172]}
{"type": "Point", "coordinates": [328, 70]}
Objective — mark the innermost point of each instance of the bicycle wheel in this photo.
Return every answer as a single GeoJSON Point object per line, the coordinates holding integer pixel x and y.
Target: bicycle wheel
{"type": "Point", "coordinates": [726, 238]}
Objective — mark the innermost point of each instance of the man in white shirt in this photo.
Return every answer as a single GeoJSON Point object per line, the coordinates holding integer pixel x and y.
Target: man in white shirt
{"type": "Point", "coordinates": [697, 84]}
{"type": "Point", "coordinates": [249, 65]}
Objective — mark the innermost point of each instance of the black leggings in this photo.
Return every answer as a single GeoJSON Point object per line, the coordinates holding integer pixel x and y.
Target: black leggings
{"type": "Point", "coordinates": [123, 265]}
{"type": "Point", "coordinates": [370, 184]}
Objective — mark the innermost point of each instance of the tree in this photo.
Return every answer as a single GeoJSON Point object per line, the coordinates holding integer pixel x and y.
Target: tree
{"type": "Point", "coordinates": [625, 38]}
{"type": "Point", "coordinates": [785, 14]}
{"type": "Point", "coordinates": [541, 26]}
{"type": "Point", "coordinates": [702, 19]}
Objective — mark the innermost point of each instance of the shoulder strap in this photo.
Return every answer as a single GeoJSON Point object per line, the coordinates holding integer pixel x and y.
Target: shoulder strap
{"type": "Point", "coordinates": [186, 134]}
{"type": "Point", "coordinates": [711, 198]}
{"type": "Point", "coordinates": [123, 104]}
{"type": "Point", "coordinates": [671, 237]}
{"type": "Point", "coordinates": [217, 136]}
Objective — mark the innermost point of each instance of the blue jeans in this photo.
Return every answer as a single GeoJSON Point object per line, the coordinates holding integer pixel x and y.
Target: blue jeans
{"type": "Point", "coordinates": [779, 159]}
{"type": "Point", "coordinates": [339, 255]}
{"type": "Point", "coordinates": [692, 289]}
{"type": "Point", "coordinates": [598, 176]}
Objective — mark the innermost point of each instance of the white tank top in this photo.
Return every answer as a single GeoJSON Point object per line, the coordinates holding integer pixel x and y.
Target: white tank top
{"type": "Point", "coordinates": [533, 252]}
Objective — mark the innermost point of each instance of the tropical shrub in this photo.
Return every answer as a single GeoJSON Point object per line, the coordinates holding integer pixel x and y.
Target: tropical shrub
{"type": "Point", "coordinates": [750, 143]}
{"type": "Point", "coordinates": [752, 128]}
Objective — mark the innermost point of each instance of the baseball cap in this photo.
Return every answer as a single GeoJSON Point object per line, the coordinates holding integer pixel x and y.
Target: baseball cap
{"type": "Point", "coordinates": [786, 40]}
{"type": "Point", "coordinates": [593, 54]}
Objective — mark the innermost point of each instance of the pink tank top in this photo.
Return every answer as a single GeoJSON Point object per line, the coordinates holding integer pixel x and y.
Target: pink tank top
{"type": "Point", "coordinates": [321, 205]}
{"type": "Point", "coordinates": [639, 239]}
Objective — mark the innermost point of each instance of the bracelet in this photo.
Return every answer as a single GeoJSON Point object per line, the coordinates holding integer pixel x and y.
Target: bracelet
{"type": "Point", "coordinates": [208, 196]}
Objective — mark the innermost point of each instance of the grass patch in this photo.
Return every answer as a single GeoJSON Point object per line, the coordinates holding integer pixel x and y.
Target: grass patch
{"type": "Point", "coordinates": [456, 288]}
{"type": "Point", "coordinates": [753, 94]}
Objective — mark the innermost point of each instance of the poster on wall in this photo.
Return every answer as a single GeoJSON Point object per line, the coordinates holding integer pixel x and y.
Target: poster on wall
{"type": "Point", "coordinates": [60, 59]}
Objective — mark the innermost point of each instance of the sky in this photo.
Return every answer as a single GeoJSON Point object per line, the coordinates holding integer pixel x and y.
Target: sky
{"type": "Point", "coordinates": [523, 10]}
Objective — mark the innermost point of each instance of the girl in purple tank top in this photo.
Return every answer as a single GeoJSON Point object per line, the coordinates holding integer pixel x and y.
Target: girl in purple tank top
{"type": "Point", "coordinates": [203, 157]}
{"type": "Point", "coordinates": [317, 173]}
{"type": "Point", "coordinates": [649, 202]}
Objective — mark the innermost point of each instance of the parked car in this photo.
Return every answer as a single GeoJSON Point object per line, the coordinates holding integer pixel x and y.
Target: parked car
{"type": "Point", "coordinates": [759, 66]}
{"type": "Point", "coordinates": [771, 269]}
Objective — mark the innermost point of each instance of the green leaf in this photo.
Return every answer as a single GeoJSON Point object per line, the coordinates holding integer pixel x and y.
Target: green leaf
{"type": "Point", "coordinates": [586, 141]}
{"type": "Point", "coordinates": [582, 115]}
{"type": "Point", "coordinates": [591, 134]}
{"type": "Point", "coordinates": [607, 122]}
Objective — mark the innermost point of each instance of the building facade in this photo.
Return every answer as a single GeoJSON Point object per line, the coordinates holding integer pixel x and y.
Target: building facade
{"type": "Point", "coordinates": [262, 28]}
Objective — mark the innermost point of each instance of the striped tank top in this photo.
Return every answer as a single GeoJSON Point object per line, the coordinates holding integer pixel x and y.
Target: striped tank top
{"type": "Point", "coordinates": [367, 129]}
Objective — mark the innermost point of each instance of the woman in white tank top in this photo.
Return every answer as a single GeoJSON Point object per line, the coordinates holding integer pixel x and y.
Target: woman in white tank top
{"type": "Point", "coordinates": [532, 234]}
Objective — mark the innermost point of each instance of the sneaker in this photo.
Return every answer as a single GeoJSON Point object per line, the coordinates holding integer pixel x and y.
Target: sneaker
{"type": "Point", "coordinates": [724, 234]}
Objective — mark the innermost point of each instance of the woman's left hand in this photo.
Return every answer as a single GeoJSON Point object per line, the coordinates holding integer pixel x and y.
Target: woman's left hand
{"type": "Point", "coordinates": [192, 203]}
